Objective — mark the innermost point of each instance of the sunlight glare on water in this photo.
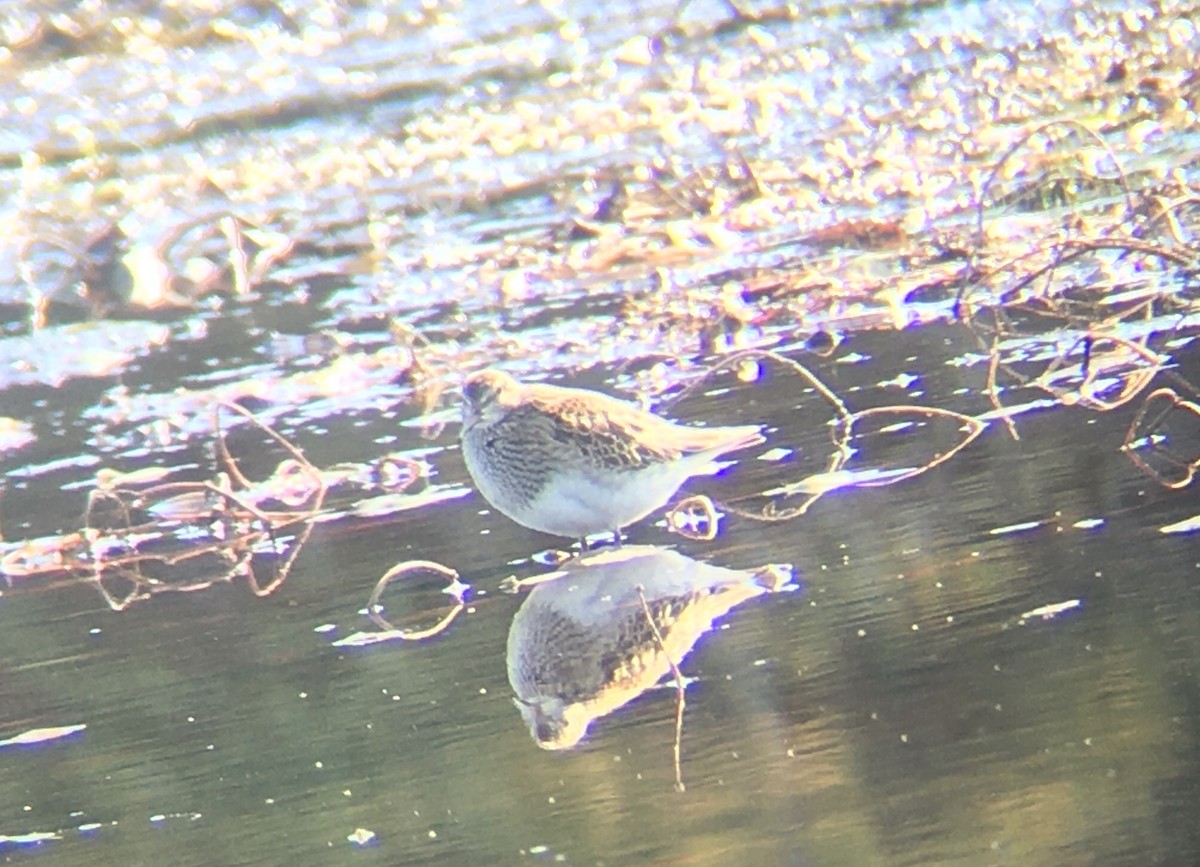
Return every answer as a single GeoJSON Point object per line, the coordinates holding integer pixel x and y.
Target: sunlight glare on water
{"type": "Point", "coordinates": [243, 291]}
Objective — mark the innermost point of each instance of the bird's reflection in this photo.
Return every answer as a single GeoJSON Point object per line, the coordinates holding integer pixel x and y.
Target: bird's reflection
{"type": "Point", "coordinates": [581, 646]}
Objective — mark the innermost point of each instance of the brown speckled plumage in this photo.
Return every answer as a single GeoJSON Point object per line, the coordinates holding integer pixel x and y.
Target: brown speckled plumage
{"type": "Point", "coordinates": [574, 462]}
{"type": "Point", "coordinates": [581, 645]}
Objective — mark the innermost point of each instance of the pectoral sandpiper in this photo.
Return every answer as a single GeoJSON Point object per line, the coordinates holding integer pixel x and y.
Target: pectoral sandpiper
{"type": "Point", "coordinates": [573, 462]}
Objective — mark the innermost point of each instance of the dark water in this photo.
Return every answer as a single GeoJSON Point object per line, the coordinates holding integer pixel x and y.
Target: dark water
{"type": "Point", "coordinates": [994, 662]}
{"type": "Point", "coordinates": [901, 707]}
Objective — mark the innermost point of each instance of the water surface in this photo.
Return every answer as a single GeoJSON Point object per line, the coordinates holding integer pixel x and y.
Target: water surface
{"type": "Point", "coordinates": [992, 662]}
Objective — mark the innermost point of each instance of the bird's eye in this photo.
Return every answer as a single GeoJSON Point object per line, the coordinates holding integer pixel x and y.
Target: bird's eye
{"type": "Point", "coordinates": [473, 391]}
{"type": "Point", "coordinates": [480, 390]}
{"type": "Point", "coordinates": [547, 731]}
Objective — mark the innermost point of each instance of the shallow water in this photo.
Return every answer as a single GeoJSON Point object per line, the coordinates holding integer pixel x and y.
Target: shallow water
{"type": "Point", "coordinates": [901, 707]}
{"type": "Point", "coordinates": [993, 662]}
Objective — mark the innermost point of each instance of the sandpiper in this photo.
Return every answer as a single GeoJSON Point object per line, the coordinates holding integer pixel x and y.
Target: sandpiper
{"type": "Point", "coordinates": [573, 462]}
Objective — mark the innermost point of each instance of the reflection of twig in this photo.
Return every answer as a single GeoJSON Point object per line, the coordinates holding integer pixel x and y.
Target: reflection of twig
{"type": "Point", "coordinates": [822, 483]}
{"type": "Point", "coordinates": [227, 508]}
{"type": "Point", "coordinates": [455, 589]}
{"type": "Point", "coordinates": [842, 432]}
{"type": "Point", "coordinates": [841, 452]}
{"type": "Point", "coordinates": [1071, 303]}
{"type": "Point", "coordinates": [1136, 432]}
{"type": "Point", "coordinates": [682, 517]}
{"type": "Point", "coordinates": [994, 393]}
{"type": "Point", "coordinates": [1094, 331]}
{"type": "Point", "coordinates": [974, 428]}
{"type": "Point", "coordinates": [798, 368]}
{"type": "Point", "coordinates": [231, 465]}
{"type": "Point", "coordinates": [235, 549]}
{"type": "Point", "coordinates": [679, 689]}
{"type": "Point", "coordinates": [1134, 383]}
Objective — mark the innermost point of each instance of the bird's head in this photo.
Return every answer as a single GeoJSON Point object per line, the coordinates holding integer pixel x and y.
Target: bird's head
{"type": "Point", "coordinates": [487, 395]}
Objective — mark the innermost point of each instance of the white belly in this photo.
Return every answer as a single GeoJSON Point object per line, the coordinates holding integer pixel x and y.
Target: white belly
{"type": "Point", "coordinates": [577, 504]}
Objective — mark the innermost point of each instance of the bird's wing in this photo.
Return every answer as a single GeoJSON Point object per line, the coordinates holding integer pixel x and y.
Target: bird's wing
{"type": "Point", "coordinates": [611, 431]}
